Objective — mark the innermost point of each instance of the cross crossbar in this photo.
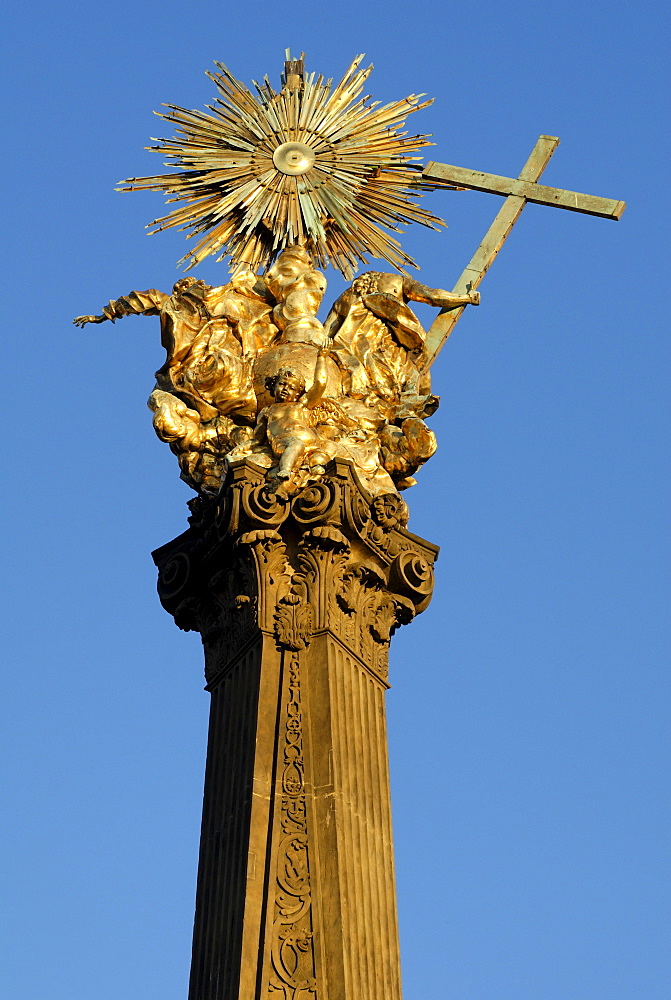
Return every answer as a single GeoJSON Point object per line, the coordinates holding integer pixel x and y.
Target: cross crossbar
{"type": "Point", "coordinates": [517, 192]}
{"type": "Point", "coordinates": [605, 208]}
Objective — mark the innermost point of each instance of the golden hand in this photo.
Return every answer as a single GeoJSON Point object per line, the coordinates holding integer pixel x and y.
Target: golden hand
{"type": "Point", "coordinates": [83, 320]}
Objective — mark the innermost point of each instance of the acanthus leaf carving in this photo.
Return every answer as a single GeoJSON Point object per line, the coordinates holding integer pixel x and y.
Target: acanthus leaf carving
{"type": "Point", "coordinates": [272, 568]}
{"type": "Point", "coordinates": [322, 557]}
{"type": "Point", "coordinates": [188, 615]}
{"type": "Point", "coordinates": [388, 614]}
{"type": "Point", "coordinates": [294, 622]}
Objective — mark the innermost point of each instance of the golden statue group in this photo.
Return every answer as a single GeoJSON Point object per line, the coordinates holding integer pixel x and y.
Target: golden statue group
{"type": "Point", "coordinates": [296, 178]}
{"type": "Point", "coordinates": [297, 567]}
{"type": "Point", "coordinates": [251, 372]}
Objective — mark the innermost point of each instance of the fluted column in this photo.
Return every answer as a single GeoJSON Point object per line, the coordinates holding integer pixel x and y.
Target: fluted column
{"type": "Point", "coordinates": [296, 601]}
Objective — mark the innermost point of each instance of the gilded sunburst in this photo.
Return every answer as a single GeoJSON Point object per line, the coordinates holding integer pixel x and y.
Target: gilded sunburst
{"type": "Point", "coordinates": [312, 163]}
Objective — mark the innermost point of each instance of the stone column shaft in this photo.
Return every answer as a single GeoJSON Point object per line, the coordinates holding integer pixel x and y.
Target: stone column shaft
{"type": "Point", "coordinates": [296, 602]}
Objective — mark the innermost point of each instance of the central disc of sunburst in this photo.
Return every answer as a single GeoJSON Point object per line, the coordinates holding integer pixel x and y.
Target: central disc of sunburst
{"type": "Point", "coordinates": [312, 163]}
{"type": "Point", "coordinates": [294, 158]}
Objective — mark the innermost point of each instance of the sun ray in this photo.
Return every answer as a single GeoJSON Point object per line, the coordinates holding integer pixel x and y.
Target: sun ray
{"type": "Point", "coordinates": [312, 163]}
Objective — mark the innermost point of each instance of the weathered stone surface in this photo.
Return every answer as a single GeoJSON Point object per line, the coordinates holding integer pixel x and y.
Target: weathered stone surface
{"type": "Point", "coordinates": [296, 601]}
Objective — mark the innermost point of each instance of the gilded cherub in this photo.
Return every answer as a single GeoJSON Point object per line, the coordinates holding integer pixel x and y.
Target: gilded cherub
{"type": "Point", "coordinates": [288, 426]}
{"type": "Point", "coordinates": [288, 423]}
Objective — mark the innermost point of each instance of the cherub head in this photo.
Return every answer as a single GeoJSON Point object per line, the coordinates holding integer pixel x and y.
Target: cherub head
{"type": "Point", "coordinates": [286, 386]}
{"type": "Point", "coordinates": [184, 284]}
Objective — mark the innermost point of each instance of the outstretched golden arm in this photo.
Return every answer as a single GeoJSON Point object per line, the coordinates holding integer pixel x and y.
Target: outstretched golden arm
{"type": "Point", "coordinates": [134, 304]}
{"type": "Point", "coordinates": [414, 291]}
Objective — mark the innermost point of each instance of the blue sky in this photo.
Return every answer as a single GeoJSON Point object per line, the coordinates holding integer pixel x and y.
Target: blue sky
{"type": "Point", "coordinates": [529, 710]}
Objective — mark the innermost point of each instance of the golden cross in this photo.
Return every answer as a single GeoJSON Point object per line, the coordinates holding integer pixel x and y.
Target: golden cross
{"type": "Point", "coordinates": [517, 192]}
